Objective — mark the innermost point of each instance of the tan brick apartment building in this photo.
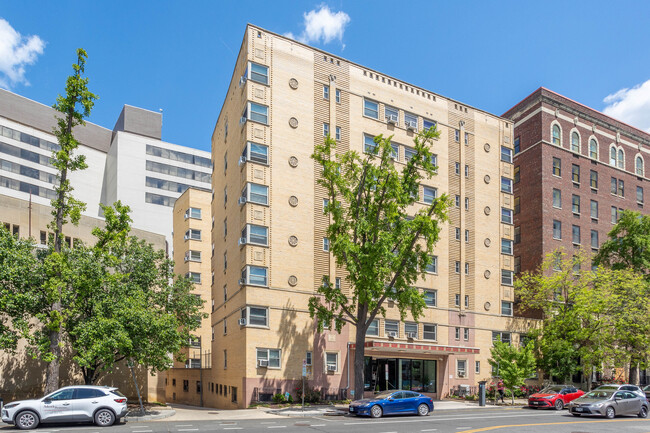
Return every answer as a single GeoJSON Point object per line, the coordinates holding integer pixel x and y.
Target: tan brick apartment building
{"type": "Point", "coordinates": [270, 251]}
{"type": "Point", "coordinates": [575, 170]}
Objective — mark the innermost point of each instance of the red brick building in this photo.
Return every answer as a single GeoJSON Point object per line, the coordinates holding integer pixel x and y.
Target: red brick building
{"type": "Point", "coordinates": [575, 170]}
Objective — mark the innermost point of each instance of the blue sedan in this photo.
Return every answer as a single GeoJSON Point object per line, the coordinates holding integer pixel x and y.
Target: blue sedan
{"type": "Point", "coordinates": [393, 402]}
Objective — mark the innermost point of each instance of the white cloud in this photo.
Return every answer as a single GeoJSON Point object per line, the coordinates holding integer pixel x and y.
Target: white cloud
{"type": "Point", "coordinates": [16, 51]}
{"type": "Point", "coordinates": [631, 106]}
{"type": "Point", "coordinates": [322, 25]}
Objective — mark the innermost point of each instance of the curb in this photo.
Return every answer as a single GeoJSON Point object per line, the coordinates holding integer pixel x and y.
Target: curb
{"type": "Point", "coordinates": [299, 414]}
{"type": "Point", "coordinates": [164, 414]}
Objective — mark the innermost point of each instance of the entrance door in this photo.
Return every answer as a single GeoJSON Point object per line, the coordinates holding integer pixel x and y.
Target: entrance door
{"type": "Point", "coordinates": [387, 374]}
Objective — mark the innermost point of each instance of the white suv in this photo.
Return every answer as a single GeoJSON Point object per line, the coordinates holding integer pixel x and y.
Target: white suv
{"type": "Point", "coordinates": [101, 404]}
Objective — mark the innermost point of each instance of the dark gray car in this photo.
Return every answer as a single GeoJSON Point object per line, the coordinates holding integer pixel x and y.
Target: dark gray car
{"type": "Point", "coordinates": [609, 403]}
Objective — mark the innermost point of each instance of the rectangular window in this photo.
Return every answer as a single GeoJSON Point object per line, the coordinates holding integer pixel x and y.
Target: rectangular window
{"type": "Point", "coordinates": [429, 194]}
{"type": "Point", "coordinates": [466, 235]}
{"type": "Point", "coordinates": [467, 171]}
{"type": "Point", "coordinates": [430, 298]}
{"type": "Point", "coordinates": [517, 205]}
{"type": "Point", "coordinates": [517, 145]}
{"type": "Point", "coordinates": [326, 129]}
{"type": "Point", "coordinates": [506, 215]}
{"type": "Point", "coordinates": [517, 175]}
{"type": "Point", "coordinates": [517, 264]}
{"type": "Point", "coordinates": [326, 244]}
{"type": "Point", "coordinates": [593, 179]}
{"type": "Point", "coordinates": [338, 96]}
{"type": "Point", "coordinates": [506, 154]}
{"type": "Point", "coordinates": [373, 328]}
{"type": "Point", "coordinates": [477, 367]}
{"type": "Point", "coordinates": [254, 275]}
{"type": "Point", "coordinates": [225, 227]}
{"type": "Point", "coordinates": [308, 358]}
{"type": "Point", "coordinates": [466, 138]}
{"type": "Point", "coordinates": [225, 195]}
{"type": "Point", "coordinates": [465, 334]}
{"type": "Point", "coordinates": [192, 234]}
{"type": "Point", "coordinates": [557, 167]}
{"type": "Point", "coordinates": [575, 234]}
{"type": "Point", "coordinates": [457, 135]}
{"type": "Point", "coordinates": [271, 356]}
{"type": "Point", "coordinates": [575, 204]}
{"type": "Point", "coordinates": [371, 108]}
{"type": "Point", "coordinates": [369, 145]}
{"type": "Point", "coordinates": [466, 268]}
{"type": "Point", "coordinates": [337, 133]}
{"type": "Point", "coordinates": [254, 152]}
{"type": "Point", "coordinates": [557, 198]}
{"type": "Point", "coordinates": [466, 203]}
{"type": "Point", "coordinates": [506, 308]}
{"type": "Point", "coordinates": [326, 92]}
{"type": "Point", "coordinates": [575, 173]}
{"type": "Point", "coordinates": [225, 359]}
{"type": "Point", "coordinates": [594, 209]}
{"type": "Point", "coordinates": [193, 212]}
{"type": "Point", "coordinates": [225, 261]}
{"type": "Point", "coordinates": [457, 299]}
{"type": "Point", "coordinates": [517, 234]}
{"type": "Point", "coordinates": [391, 327]}
{"type": "Point", "coordinates": [432, 266]}
{"type": "Point", "coordinates": [594, 239]}
{"type": "Point", "coordinates": [457, 333]}
{"type": "Point", "coordinates": [259, 73]}
{"type": "Point", "coordinates": [614, 215]}
{"type": "Point", "coordinates": [411, 121]}
{"type": "Point", "coordinates": [394, 153]}
{"type": "Point", "coordinates": [255, 193]}
{"type": "Point", "coordinates": [428, 124]}
{"type": "Point", "coordinates": [411, 328]}
{"type": "Point", "coordinates": [457, 168]}
{"type": "Point", "coordinates": [195, 277]}
{"type": "Point", "coordinates": [506, 246]}
{"type": "Point", "coordinates": [457, 233]}
{"type": "Point", "coordinates": [504, 337]}
{"type": "Point", "coordinates": [506, 185]}
{"type": "Point", "coordinates": [506, 277]}
{"type": "Point", "coordinates": [457, 201]}
{"type": "Point", "coordinates": [621, 188]}
{"type": "Point", "coordinates": [256, 316]}
{"type": "Point", "coordinates": [391, 114]}
{"type": "Point", "coordinates": [457, 267]}
{"type": "Point", "coordinates": [408, 153]}
{"type": "Point", "coordinates": [337, 283]}
{"type": "Point", "coordinates": [254, 234]}
{"type": "Point", "coordinates": [466, 301]}
{"type": "Point", "coordinates": [258, 113]}
{"type": "Point", "coordinates": [639, 194]}
{"type": "Point", "coordinates": [192, 256]}
{"type": "Point", "coordinates": [429, 331]}
{"type": "Point", "coordinates": [557, 229]}
{"type": "Point", "coordinates": [332, 361]}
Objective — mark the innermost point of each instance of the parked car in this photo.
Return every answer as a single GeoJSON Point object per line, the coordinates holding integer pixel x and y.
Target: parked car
{"type": "Point", "coordinates": [609, 403]}
{"type": "Point", "coordinates": [646, 391]}
{"type": "Point", "coordinates": [99, 404]}
{"type": "Point", "coordinates": [393, 402]}
{"type": "Point", "coordinates": [554, 396]}
{"type": "Point", "coordinates": [620, 387]}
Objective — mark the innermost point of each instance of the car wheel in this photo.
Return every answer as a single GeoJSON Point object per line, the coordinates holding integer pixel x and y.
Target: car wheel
{"type": "Point", "coordinates": [104, 417]}
{"type": "Point", "coordinates": [27, 420]}
{"type": "Point", "coordinates": [423, 410]}
{"type": "Point", "coordinates": [376, 411]}
{"type": "Point", "coordinates": [643, 413]}
{"type": "Point", "coordinates": [559, 404]}
{"type": "Point", "coordinates": [610, 413]}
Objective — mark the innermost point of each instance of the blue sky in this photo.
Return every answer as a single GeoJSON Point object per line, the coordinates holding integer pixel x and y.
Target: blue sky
{"type": "Point", "coordinates": [179, 56]}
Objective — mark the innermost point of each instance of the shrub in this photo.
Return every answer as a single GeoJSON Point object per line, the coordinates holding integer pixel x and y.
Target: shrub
{"type": "Point", "coordinates": [279, 398]}
{"type": "Point", "coordinates": [311, 394]}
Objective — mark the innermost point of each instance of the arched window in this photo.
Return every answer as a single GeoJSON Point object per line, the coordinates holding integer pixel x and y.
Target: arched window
{"type": "Point", "coordinates": [621, 159]}
{"type": "Point", "coordinates": [612, 156]}
{"type": "Point", "coordinates": [575, 142]}
{"type": "Point", "coordinates": [638, 166]}
{"type": "Point", "coordinates": [593, 149]}
{"type": "Point", "coordinates": [556, 135]}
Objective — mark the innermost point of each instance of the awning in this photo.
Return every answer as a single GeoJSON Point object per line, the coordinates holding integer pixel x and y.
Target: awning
{"type": "Point", "coordinates": [433, 349]}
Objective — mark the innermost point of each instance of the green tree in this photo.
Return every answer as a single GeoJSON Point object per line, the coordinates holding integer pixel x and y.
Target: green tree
{"type": "Point", "coordinates": [126, 302]}
{"type": "Point", "coordinates": [376, 234]}
{"type": "Point", "coordinates": [514, 364]}
{"type": "Point", "coordinates": [75, 105]}
{"type": "Point", "coordinates": [18, 274]}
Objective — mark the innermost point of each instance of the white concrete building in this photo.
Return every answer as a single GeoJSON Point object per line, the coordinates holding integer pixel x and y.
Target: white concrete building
{"type": "Point", "coordinates": [129, 163]}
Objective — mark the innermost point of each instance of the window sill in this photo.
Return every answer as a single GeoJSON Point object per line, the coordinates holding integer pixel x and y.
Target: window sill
{"type": "Point", "coordinates": [556, 207]}
{"type": "Point", "coordinates": [557, 239]}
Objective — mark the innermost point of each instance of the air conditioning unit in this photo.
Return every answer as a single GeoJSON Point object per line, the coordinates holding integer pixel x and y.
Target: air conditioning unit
{"type": "Point", "coordinates": [242, 80]}
{"type": "Point", "coordinates": [411, 335]}
{"type": "Point", "coordinates": [241, 201]}
{"type": "Point", "coordinates": [187, 214]}
{"type": "Point", "coordinates": [242, 281]}
{"type": "Point", "coordinates": [331, 368]}
{"type": "Point", "coordinates": [242, 241]}
{"type": "Point", "coordinates": [392, 334]}
{"type": "Point", "coordinates": [461, 374]}
{"type": "Point", "coordinates": [186, 237]}
{"type": "Point", "coordinates": [242, 160]}
{"type": "Point", "coordinates": [391, 118]}
{"type": "Point", "coordinates": [262, 363]}
{"type": "Point", "coordinates": [411, 125]}
{"type": "Point", "coordinates": [187, 258]}
{"type": "Point", "coordinates": [241, 322]}
{"type": "Point", "coordinates": [242, 120]}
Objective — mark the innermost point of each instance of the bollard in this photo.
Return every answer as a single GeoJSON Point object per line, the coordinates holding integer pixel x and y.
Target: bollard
{"type": "Point", "coordinates": [481, 393]}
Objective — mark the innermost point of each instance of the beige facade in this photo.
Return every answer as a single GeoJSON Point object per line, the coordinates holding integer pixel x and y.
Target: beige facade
{"type": "Point", "coordinates": [192, 256]}
{"type": "Point", "coordinates": [269, 255]}
{"type": "Point", "coordinates": [24, 377]}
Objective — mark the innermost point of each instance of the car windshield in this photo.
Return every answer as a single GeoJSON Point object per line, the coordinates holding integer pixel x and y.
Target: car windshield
{"type": "Point", "coordinates": [599, 394]}
{"type": "Point", "coordinates": [647, 388]}
{"type": "Point", "coordinates": [606, 387]}
{"type": "Point", "coordinates": [117, 392]}
{"type": "Point", "coordinates": [383, 395]}
{"type": "Point", "coordinates": [554, 389]}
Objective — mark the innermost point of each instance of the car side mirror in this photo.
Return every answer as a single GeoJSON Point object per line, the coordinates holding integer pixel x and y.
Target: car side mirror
{"type": "Point", "coordinates": [617, 398]}
{"type": "Point", "coordinates": [390, 399]}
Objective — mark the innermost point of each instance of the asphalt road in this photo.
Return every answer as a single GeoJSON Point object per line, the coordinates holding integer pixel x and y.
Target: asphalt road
{"type": "Point", "coordinates": [465, 421]}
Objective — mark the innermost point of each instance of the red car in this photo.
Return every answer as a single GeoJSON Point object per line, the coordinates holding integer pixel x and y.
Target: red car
{"type": "Point", "coordinates": [554, 396]}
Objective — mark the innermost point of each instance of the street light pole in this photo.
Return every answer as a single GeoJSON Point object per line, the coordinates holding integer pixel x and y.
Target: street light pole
{"type": "Point", "coordinates": [201, 368]}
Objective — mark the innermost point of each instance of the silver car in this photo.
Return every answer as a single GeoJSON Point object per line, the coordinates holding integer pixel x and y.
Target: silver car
{"type": "Point", "coordinates": [609, 403]}
{"type": "Point", "coordinates": [100, 404]}
{"type": "Point", "coordinates": [620, 387]}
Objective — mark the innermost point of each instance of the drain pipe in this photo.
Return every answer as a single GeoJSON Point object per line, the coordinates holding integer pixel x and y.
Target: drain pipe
{"type": "Point", "coordinates": [348, 360]}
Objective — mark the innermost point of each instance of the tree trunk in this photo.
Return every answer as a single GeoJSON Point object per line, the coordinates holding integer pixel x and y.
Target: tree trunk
{"type": "Point", "coordinates": [634, 372]}
{"type": "Point", "coordinates": [512, 396]}
{"type": "Point", "coordinates": [52, 374]}
{"type": "Point", "coordinates": [359, 354]}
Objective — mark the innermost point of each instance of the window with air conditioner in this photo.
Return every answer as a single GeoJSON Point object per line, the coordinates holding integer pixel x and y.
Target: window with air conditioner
{"type": "Point", "coordinates": [254, 275]}
{"type": "Point", "coordinates": [254, 234]}
{"type": "Point", "coordinates": [461, 368]}
{"type": "Point", "coordinates": [193, 234]}
{"type": "Point", "coordinates": [411, 330]}
{"type": "Point", "coordinates": [268, 358]}
{"type": "Point", "coordinates": [332, 361]}
{"type": "Point", "coordinates": [255, 193]}
{"type": "Point", "coordinates": [193, 212]}
{"type": "Point", "coordinates": [256, 316]}
{"type": "Point", "coordinates": [391, 114]}
{"type": "Point", "coordinates": [411, 121]}
{"type": "Point", "coordinates": [257, 113]}
{"type": "Point", "coordinates": [193, 256]}
{"type": "Point", "coordinates": [391, 328]}
{"type": "Point", "coordinates": [257, 153]}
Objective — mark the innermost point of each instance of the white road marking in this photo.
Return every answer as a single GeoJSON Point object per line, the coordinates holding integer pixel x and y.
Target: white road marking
{"type": "Point", "coordinates": [317, 425]}
{"type": "Point", "coordinates": [138, 426]}
{"type": "Point", "coordinates": [323, 419]}
{"type": "Point", "coordinates": [141, 431]}
{"type": "Point", "coordinates": [430, 429]}
{"type": "Point", "coordinates": [268, 422]}
{"type": "Point", "coordinates": [184, 425]}
{"type": "Point", "coordinates": [277, 426]}
{"type": "Point", "coordinates": [431, 419]}
{"type": "Point", "coordinates": [232, 428]}
{"type": "Point", "coordinates": [187, 429]}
